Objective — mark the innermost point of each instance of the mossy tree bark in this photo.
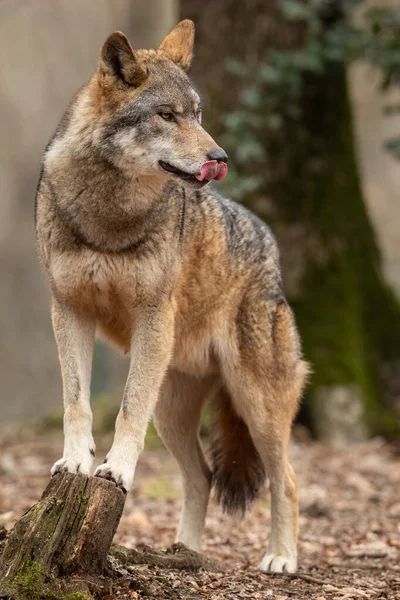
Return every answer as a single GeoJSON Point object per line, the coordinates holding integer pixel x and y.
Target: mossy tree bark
{"type": "Point", "coordinates": [348, 317]}
{"type": "Point", "coordinates": [68, 532]}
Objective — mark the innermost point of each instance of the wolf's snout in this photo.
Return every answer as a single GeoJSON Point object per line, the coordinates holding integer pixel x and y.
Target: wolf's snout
{"type": "Point", "coordinates": [218, 154]}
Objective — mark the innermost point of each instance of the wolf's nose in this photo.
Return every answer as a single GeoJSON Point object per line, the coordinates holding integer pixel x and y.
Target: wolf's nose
{"type": "Point", "coordinates": [218, 154]}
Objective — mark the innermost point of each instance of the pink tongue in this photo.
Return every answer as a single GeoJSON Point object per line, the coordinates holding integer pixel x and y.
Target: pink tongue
{"type": "Point", "coordinates": [212, 169]}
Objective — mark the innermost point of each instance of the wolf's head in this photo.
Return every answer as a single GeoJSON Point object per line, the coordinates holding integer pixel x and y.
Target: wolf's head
{"type": "Point", "coordinates": [147, 115]}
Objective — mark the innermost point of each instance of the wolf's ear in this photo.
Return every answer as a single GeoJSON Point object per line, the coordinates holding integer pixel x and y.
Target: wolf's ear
{"type": "Point", "coordinates": [178, 45]}
{"type": "Point", "coordinates": [118, 59]}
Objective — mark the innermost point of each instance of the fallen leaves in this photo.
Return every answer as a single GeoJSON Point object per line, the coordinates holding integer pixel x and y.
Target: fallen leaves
{"type": "Point", "coordinates": [375, 549]}
{"type": "Point", "coordinates": [349, 526]}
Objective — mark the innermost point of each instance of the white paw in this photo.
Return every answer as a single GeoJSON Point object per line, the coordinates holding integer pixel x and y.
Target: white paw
{"type": "Point", "coordinates": [276, 563]}
{"type": "Point", "coordinates": [121, 475]}
{"type": "Point", "coordinates": [75, 462]}
{"type": "Point", "coordinates": [71, 465]}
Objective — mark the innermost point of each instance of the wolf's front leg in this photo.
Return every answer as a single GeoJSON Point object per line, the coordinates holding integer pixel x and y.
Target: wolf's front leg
{"type": "Point", "coordinates": [74, 336]}
{"type": "Point", "coordinates": [150, 355]}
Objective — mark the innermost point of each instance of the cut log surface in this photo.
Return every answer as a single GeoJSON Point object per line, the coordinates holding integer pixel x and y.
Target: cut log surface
{"type": "Point", "coordinates": [69, 530]}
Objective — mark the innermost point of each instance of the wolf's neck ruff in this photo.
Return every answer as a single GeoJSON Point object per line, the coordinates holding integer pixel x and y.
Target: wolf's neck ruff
{"type": "Point", "coordinates": [104, 210]}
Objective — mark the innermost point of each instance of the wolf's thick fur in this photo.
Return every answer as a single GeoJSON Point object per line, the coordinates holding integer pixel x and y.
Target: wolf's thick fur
{"type": "Point", "coordinates": [139, 251]}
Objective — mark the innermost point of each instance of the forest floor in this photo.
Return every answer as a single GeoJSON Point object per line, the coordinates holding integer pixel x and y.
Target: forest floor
{"type": "Point", "coordinates": [349, 544]}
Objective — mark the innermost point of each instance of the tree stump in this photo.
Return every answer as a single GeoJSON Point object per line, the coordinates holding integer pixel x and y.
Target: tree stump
{"type": "Point", "coordinates": [69, 531]}
{"type": "Point", "coordinates": [58, 548]}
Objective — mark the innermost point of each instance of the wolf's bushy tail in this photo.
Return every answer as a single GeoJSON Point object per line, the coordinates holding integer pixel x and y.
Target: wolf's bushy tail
{"type": "Point", "coordinates": [238, 471]}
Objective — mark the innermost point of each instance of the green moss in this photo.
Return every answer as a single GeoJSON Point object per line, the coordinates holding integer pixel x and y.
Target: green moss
{"type": "Point", "coordinates": [84, 498]}
{"type": "Point", "coordinates": [29, 584]}
{"type": "Point", "coordinates": [339, 342]}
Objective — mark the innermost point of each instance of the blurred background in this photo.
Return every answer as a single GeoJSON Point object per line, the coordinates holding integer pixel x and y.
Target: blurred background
{"type": "Point", "coordinates": [305, 97]}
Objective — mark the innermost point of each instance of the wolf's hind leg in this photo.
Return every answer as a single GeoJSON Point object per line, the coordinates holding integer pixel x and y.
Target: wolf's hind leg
{"type": "Point", "coordinates": [281, 554]}
{"type": "Point", "coordinates": [265, 384]}
{"type": "Point", "coordinates": [269, 428]}
{"type": "Point", "coordinates": [177, 419]}
{"type": "Point", "coordinates": [74, 336]}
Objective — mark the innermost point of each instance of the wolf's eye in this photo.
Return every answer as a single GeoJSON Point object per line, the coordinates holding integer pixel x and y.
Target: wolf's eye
{"type": "Point", "coordinates": [167, 116]}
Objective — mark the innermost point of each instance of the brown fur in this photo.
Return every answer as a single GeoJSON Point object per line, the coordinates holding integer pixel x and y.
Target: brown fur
{"type": "Point", "coordinates": [185, 281]}
{"type": "Point", "coordinates": [178, 45]}
{"type": "Point", "coordinates": [117, 56]}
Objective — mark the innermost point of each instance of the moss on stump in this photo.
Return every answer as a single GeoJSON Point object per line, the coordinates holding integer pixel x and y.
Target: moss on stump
{"type": "Point", "coordinates": [67, 533]}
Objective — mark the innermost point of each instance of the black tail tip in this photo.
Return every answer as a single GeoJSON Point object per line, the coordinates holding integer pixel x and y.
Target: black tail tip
{"type": "Point", "coordinates": [236, 499]}
{"type": "Point", "coordinates": [237, 482]}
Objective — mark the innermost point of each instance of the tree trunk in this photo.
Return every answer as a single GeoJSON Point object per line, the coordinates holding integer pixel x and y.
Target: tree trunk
{"type": "Point", "coordinates": [69, 531]}
{"type": "Point", "coordinates": [347, 314]}
{"type": "Point", "coordinates": [310, 194]}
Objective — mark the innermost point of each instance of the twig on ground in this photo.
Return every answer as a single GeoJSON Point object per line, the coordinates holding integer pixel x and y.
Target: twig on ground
{"type": "Point", "coordinates": [365, 566]}
{"type": "Point", "coordinates": [311, 579]}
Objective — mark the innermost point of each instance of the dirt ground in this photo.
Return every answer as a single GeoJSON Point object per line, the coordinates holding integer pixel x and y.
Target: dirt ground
{"type": "Point", "coordinates": [349, 543]}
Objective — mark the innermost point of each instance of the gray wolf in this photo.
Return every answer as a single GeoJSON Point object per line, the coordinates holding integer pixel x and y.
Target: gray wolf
{"type": "Point", "coordinates": [140, 250]}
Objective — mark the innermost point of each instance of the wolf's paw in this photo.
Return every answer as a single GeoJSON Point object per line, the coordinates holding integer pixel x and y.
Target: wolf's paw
{"type": "Point", "coordinates": [71, 465]}
{"type": "Point", "coordinates": [117, 475]}
{"type": "Point", "coordinates": [276, 563]}
{"type": "Point", "coordinates": [76, 462]}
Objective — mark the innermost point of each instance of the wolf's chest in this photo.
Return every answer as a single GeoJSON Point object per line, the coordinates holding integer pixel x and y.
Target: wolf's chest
{"type": "Point", "coordinates": [91, 276]}
{"type": "Point", "coordinates": [107, 288]}
{"type": "Point", "coordinates": [101, 287]}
